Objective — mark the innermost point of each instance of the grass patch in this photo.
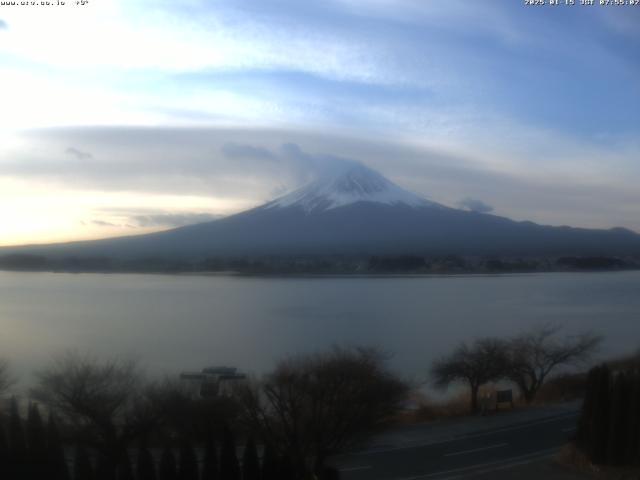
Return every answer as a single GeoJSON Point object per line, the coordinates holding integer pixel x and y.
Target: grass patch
{"type": "Point", "coordinates": [572, 457]}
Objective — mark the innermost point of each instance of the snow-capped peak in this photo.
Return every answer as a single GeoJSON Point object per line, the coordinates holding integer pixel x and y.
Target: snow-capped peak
{"type": "Point", "coordinates": [351, 184]}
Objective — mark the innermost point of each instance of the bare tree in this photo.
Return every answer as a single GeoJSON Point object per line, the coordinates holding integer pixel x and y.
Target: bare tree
{"type": "Point", "coordinates": [102, 399]}
{"type": "Point", "coordinates": [6, 380]}
{"type": "Point", "coordinates": [183, 412]}
{"type": "Point", "coordinates": [483, 361]}
{"type": "Point", "coordinates": [535, 354]}
{"type": "Point", "coordinates": [314, 406]}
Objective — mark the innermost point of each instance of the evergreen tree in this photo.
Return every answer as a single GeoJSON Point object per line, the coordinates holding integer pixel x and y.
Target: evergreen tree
{"type": "Point", "coordinates": [584, 434]}
{"type": "Point", "coordinates": [18, 456]}
{"type": "Point", "coordinates": [17, 443]}
{"type": "Point", "coordinates": [105, 469]}
{"type": "Point", "coordinates": [168, 470]}
{"type": "Point", "coordinates": [285, 468]}
{"type": "Point", "coordinates": [188, 462]}
{"type": "Point", "coordinates": [82, 468]}
{"type": "Point", "coordinates": [617, 443]}
{"type": "Point", "coordinates": [36, 445]}
{"type": "Point", "coordinates": [55, 453]}
{"type": "Point", "coordinates": [609, 426]}
{"type": "Point", "coordinates": [36, 435]}
{"type": "Point", "coordinates": [146, 468]}
{"type": "Point", "coordinates": [229, 468]}
{"type": "Point", "coordinates": [633, 442]}
{"type": "Point", "coordinates": [210, 468]}
{"type": "Point", "coordinates": [601, 409]}
{"type": "Point", "coordinates": [269, 463]}
{"type": "Point", "coordinates": [250, 463]}
{"type": "Point", "coordinates": [4, 454]}
{"type": "Point", "coordinates": [124, 470]}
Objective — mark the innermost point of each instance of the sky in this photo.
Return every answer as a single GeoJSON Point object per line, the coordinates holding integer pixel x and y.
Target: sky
{"type": "Point", "coordinates": [123, 117]}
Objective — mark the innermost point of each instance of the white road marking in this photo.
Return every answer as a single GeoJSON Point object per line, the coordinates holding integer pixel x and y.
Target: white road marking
{"type": "Point", "coordinates": [464, 452]}
{"type": "Point", "coordinates": [497, 465]}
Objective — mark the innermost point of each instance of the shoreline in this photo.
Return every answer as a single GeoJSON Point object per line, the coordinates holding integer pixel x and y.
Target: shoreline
{"type": "Point", "coordinates": [319, 275]}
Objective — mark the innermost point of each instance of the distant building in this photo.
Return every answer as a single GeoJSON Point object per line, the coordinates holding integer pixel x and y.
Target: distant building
{"type": "Point", "coordinates": [213, 381]}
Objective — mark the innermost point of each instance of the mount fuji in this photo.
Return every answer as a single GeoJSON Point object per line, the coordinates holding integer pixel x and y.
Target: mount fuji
{"type": "Point", "coordinates": [354, 211]}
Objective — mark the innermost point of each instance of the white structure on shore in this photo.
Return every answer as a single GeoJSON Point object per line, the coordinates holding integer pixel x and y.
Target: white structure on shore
{"type": "Point", "coordinates": [213, 381]}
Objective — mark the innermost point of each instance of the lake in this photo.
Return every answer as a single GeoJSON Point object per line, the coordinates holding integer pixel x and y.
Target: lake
{"type": "Point", "coordinates": [182, 322]}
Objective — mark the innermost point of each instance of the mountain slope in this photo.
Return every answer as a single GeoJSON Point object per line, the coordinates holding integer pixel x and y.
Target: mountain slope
{"type": "Point", "coordinates": [356, 211]}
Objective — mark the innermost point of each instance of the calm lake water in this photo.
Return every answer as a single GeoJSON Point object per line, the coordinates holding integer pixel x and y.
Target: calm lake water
{"type": "Point", "coordinates": [173, 323]}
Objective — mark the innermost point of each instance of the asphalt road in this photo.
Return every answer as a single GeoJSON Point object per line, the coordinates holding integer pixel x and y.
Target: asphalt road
{"type": "Point", "coordinates": [465, 456]}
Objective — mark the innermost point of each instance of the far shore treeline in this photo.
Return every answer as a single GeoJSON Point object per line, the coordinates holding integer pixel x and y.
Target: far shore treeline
{"type": "Point", "coordinates": [322, 264]}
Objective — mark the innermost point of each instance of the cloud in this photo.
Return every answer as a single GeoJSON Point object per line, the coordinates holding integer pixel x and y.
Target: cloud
{"type": "Point", "coordinates": [396, 66]}
{"type": "Point", "coordinates": [172, 219]}
{"type": "Point", "coordinates": [236, 150]}
{"type": "Point", "coordinates": [290, 158]}
{"type": "Point", "coordinates": [3, 25]}
{"type": "Point", "coordinates": [147, 218]}
{"type": "Point", "coordinates": [179, 170]}
{"type": "Point", "coordinates": [79, 154]}
{"type": "Point", "coordinates": [102, 223]}
{"type": "Point", "coordinates": [625, 24]}
{"type": "Point", "coordinates": [311, 165]}
{"type": "Point", "coordinates": [475, 205]}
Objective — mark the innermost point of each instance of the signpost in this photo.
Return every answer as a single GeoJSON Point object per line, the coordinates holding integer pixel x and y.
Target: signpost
{"type": "Point", "coordinates": [504, 396]}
